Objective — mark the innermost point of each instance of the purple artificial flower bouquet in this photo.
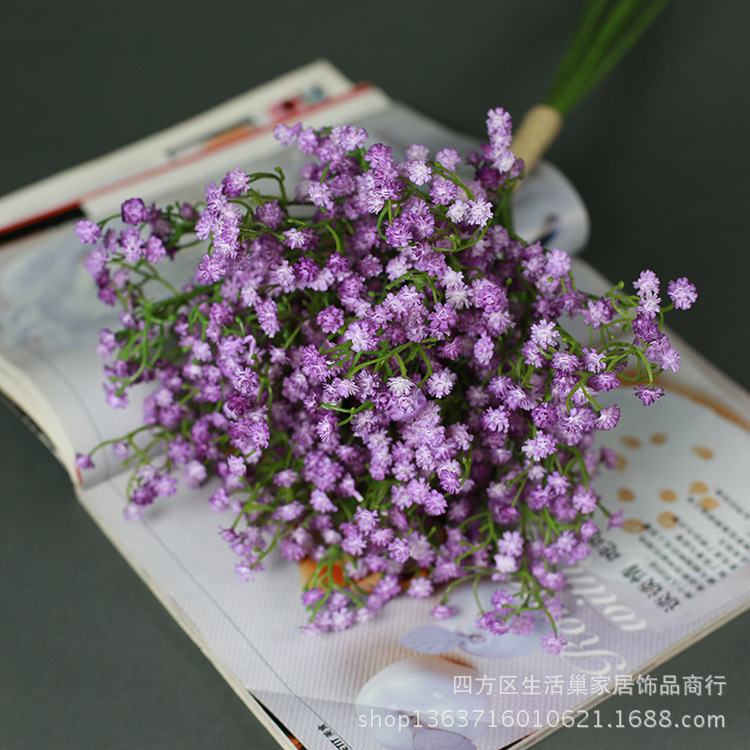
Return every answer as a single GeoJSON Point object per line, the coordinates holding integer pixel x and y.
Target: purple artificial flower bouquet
{"type": "Point", "coordinates": [375, 374]}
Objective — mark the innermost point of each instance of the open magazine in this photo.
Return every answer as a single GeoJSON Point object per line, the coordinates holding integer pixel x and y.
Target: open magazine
{"type": "Point", "coordinates": [675, 570]}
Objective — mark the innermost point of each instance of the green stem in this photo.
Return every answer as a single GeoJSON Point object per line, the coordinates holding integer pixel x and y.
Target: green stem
{"type": "Point", "coordinates": [606, 31]}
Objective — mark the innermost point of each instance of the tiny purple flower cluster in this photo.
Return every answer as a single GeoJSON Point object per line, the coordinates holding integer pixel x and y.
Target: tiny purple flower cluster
{"type": "Point", "coordinates": [385, 388]}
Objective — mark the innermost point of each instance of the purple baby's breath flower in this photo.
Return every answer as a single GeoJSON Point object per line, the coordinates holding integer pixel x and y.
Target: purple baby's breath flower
{"type": "Point", "coordinates": [443, 191]}
{"type": "Point", "coordinates": [201, 351]}
{"type": "Point", "coordinates": [458, 211]}
{"type": "Point", "coordinates": [244, 571]}
{"type": "Point", "coordinates": [381, 537]}
{"type": "Point", "coordinates": [544, 334]}
{"type": "Point", "coordinates": [588, 529]}
{"type": "Point", "coordinates": [349, 137]}
{"type": "Point", "coordinates": [107, 343]}
{"type": "Point", "coordinates": [420, 588]}
{"type": "Point", "coordinates": [553, 644]}
{"type": "Point", "coordinates": [398, 233]}
{"type": "Point", "coordinates": [419, 171]}
{"type": "Point", "coordinates": [584, 500]}
{"type": "Point", "coordinates": [154, 249]}
{"type": "Point", "coordinates": [648, 394]}
{"type": "Point", "coordinates": [133, 211]}
{"type": "Point", "coordinates": [313, 364]}
{"type": "Point", "coordinates": [608, 417]}
{"type": "Point", "coordinates": [479, 212]}
{"type": "Point", "coordinates": [362, 336]}
{"type": "Point", "coordinates": [399, 550]}
{"type": "Point", "coordinates": [83, 461]}
{"type": "Point", "coordinates": [326, 428]}
{"type": "Point", "coordinates": [449, 158]}
{"type": "Point", "coordinates": [647, 284]}
{"type": "Point", "coordinates": [400, 386]}
{"type": "Point", "coordinates": [131, 244]}
{"type": "Point", "coordinates": [143, 495]}
{"type": "Point", "coordinates": [219, 501]}
{"type": "Point", "coordinates": [115, 399]}
{"type": "Point", "coordinates": [598, 313]}
{"type": "Point", "coordinates": [499, 123]}
{"type": "Point", "coordinates": [290, 511]}
{"type": "Point", "coordinates": [366, 520]}
{"type": "Point", "coordinates": [558, 263]}
{"type": "Point", "coordinates": [490, 622]}
{"type": "Point", "coordinates": [235, 183]}
{"type": "Point", "coordinates": [523, 624]}
{"type": "Point", "coordinates": [505, 564]}
{"type": "Point", "coordinates": [417, 151]}
{"type": "Point", "coordinates": [501, 599]}
{"type": "Point", "coordinates": [593, 360]}
{"type": "Point", "coordinates": [285, 134]}
{"type": "Point", "coordinates": [449, 481]}
{"type": "Point", "coordinates": [440, 384]}
{"type": "Point", "coordinates": [96, 262]}
{"type": "Point", "coordinates": [165, 485]}
{"type": "Point", "coordinates": [270, 214]}
{"type": "Point", "coordinates": [311, 596]}
{"type": "Point", "coordinates": [511, 543]}
{"type": "Point", "coordinates": [121, 449]}
{"type": "Point", "coordinates": [484, 349]}
{"type": "Point", "coordinates": [307, 141]}
{"type": "Point", "coordinates": [578, 420]}
{"type": "Point", "coordinates": [539, 447]}
{"type": "Point", "coordinates": [320, 501]}
{"type": "Point", "coordinates": [379, 157]}
{"type": "Point", "coordinates": [443, 611]}
{"type": "Point", "coordinates": [435, 503]}
{"type": "Point", "coordinates": [566, 362]}
{"type": "Point", "coordinates": [682, 293]}
{"type": "Point", "coordinates": [285, 478]}
{"type": "Point", "coordinates": [668, 358]}
{"type": "Point", "coordinates": [385, 394]}
{"type": "Point", "coordinates": [267, 317]}
{"type": "Point", "coordinates": [407, 407]}
{"type": "Point", "coordinates": [320, 196]}
{"type": "Point", "coordinates": [195, 473]}
{"type": "Point", "coordinates": [605, 381]}
{"type": "Point", "coordinates": [88, 232]}
{"type": "Point", "coordinates": [495, 419]}
{"type": "Point", "coordinates": [133, 512]}
{"type": "Point", "coordinates": [293, 238]}
{"type": "Point", "coordinates": [650, 306]}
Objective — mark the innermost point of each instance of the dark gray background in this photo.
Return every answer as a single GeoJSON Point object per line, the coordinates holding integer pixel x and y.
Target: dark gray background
{"type": "Point", "coordinates": [88, 657]}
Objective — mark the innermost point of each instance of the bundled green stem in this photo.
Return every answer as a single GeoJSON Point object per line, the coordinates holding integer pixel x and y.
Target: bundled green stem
{"type": "Point", "coordinates": [606, 31]}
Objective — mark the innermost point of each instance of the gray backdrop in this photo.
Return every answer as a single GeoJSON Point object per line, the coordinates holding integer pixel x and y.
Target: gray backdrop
{"type": "Point", "coordinates": [89, 658]}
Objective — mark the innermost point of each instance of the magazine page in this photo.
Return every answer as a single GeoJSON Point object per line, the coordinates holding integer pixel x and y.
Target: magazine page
{"type": "Point", "coordinates": [50, 318]}
{"type": "Point", "coordinates": [405, 680]}
{"type": "Point", "coordinates": [677, 568]}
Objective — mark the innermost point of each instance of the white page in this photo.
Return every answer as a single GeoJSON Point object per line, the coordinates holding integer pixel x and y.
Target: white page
{"type": "Point", "coordinates": [253, 627]}
{"type": "Point", "coordinates": [49, 315]}
{"type": "Point", "coordinates": [177, 551]}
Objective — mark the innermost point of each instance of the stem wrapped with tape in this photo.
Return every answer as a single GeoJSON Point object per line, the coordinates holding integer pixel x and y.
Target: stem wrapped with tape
{"type": "Point", "coordinates": [537, 131]}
